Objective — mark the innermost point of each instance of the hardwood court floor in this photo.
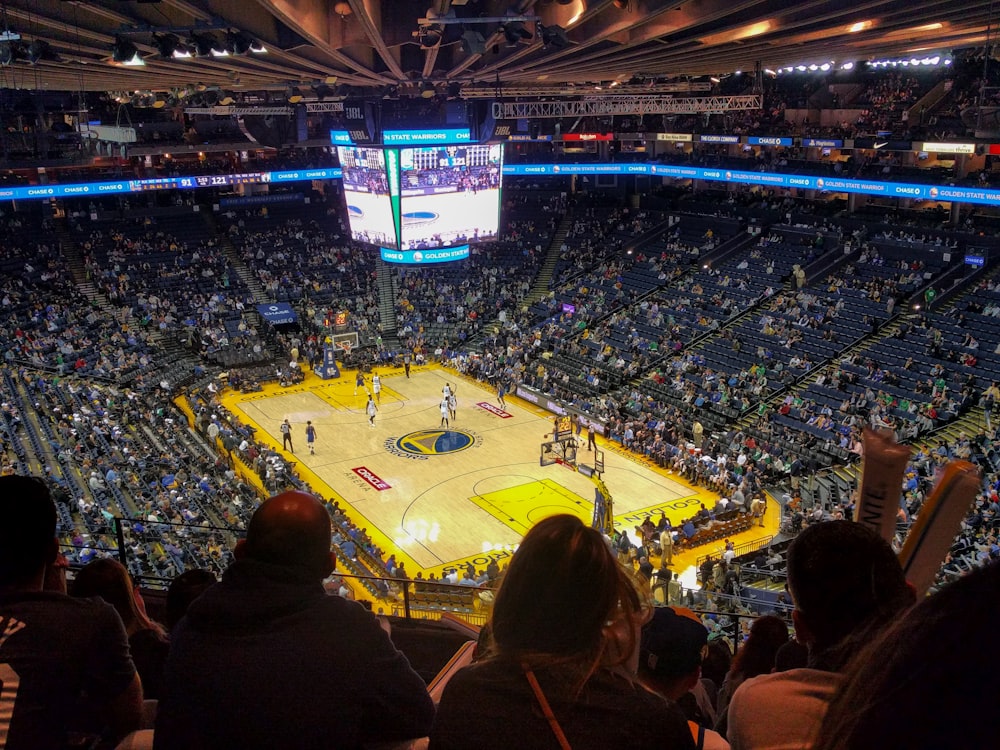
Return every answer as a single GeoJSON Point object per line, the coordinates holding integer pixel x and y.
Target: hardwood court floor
{"type": "Point", "coordinates": [439, 497]}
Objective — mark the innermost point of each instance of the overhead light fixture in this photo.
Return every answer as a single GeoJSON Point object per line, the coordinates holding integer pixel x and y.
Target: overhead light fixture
{"type": "Point", "coordinates": [293, 95]}
{"type": "Point", "coordinates": [324, 90]}
{"type": "Point", "coordinates": [473, 43]}
{"type": "Point", "coordinates": [206, 45]}
{"type": "Point", "coordinates": [515, 33]}
{"type": "Point", "coordinates": [125, 53]}
{"type": "Point", "coordinates": [430, 36]}
{"type": "Point", "coordinates": [427, 90]}
{"type": "Point", "coordinates": [553, 36]}
{"type": "Point", "coordinates": [11, 52]}
{"type": "Point", "coordinates": [226, 99]}
{"type": "Point", "coordinates": [242, 44]}
{"type": "Point", "coordinates": [39, 50]}
{"type": "Point", "coordinates": [166, 44]}
{"type": "Point", "coordinates": [854, 28]}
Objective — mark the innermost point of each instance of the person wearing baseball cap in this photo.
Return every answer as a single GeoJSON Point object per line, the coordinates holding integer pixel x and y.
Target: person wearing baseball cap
{"type": "Point", "coordinates": [673, 646]}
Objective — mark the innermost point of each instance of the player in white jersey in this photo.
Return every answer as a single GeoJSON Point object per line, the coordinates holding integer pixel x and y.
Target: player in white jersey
{"type": "Point", "coordinates": [371, 410]}
{"type": "Point", "coordinates": [452, 405]}
{"type": "Point", "coordinates": [377, 386]}
{"type": "Point", "coordinates": [444, 413]}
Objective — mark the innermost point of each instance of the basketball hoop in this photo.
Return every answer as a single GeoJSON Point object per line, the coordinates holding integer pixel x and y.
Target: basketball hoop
{"type": "Point", "coordinates": [345, 346]}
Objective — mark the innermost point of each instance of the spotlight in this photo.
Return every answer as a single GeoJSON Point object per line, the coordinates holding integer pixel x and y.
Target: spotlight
{"type": "Point", "coordinates": [322, 91]}
{"type": "Point", "coordinates": [430, 36]}
{"type": "Point", "coordinates": [473, 43]}
{"type": "Point", "coordinates": [11, 52]}
{"type": "Point", "coordinates": [39, 49]}
{"type": "Point", "coordinates": [427, 90]}
{"type": "Point", "coordinates": [241, 43]}
{"type": "Point", "coordinates": [125, 53]}
{"type": "Point", "coordinates": [167, 45]}
{"type": "Point", "coordinates": [293, 94]}
{"type": "Point", "coordinates": [553, 36]}
{"type": "Point", "coordinates": [205, 45]}
{"type": "Point", "coordinates": [515, 33]}
{"type": "Point", "coordinates": [454, 90]}
{"type": "Point", "coordinates": [226, 99]}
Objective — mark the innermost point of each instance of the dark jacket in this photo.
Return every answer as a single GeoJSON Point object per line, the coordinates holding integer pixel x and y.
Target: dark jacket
{"type": "Point", "coordinates": [266, 659]}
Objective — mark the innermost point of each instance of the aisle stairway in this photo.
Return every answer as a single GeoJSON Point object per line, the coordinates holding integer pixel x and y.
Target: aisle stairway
{"type": "Point", "coordinates": [247, 276]}
{"type": "Point", "coordinates": [386, 280]}
{"type": "Point", "coordinates": [541, 286]}
{"type": "Point", "coordinates": [74, 259]}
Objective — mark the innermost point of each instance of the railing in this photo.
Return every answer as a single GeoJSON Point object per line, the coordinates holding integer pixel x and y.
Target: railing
{"type": "Point", "coordinates": [411, 598]}
{"type": "Point", "coordinates": [744, 548]}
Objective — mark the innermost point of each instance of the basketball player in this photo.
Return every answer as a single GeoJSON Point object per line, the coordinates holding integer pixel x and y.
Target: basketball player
{"type": "Point", "coordinates": [377, 386]}
{"type": "Point", "coordinates": [445, 411]}
{"type": "Point", "coordinates": [286, 436]}
{"type": "Point", "coordinates": [501, 392]}
{"type": "Point", "coordinates": [371, 410]}
{"type": "Point", "coordinates": [452, 405]}
{"type": "Point", "coordinates": [311, 437]}
{"type": "Point", "coordinates": [446, 391]}
{"type": "Point", "coordinates": [407, 359]}
{"type": "Point", "coordinates": [359, 382]}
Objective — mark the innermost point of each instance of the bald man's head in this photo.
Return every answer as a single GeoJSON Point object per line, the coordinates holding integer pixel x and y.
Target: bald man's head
{"type": "Point", "coordinates": [293, 530]}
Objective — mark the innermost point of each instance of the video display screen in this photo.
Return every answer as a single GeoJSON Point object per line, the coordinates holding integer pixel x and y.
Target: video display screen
{"type": "Point", "coordinates": [450, 195]}
{"type": "Point", "coordinates": [366, 187]}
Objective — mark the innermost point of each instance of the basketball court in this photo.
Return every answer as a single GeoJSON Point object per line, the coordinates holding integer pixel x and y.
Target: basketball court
{"type": "Point", "coordinates": [440, 495]}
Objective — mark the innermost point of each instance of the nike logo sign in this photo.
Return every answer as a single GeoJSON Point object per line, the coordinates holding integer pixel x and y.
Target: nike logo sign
{"type": "Point", "coordinates": [881, 145]}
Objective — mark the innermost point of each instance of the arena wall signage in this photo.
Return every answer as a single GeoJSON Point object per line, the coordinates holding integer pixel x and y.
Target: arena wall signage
{"type": "Point", "coordinates": [277, 313]}
{"type": "Point", "coordinates": [916, 191]}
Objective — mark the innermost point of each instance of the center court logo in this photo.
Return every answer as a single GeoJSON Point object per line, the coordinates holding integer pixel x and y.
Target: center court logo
{"type": "Point", "coordinates": [424, 443]}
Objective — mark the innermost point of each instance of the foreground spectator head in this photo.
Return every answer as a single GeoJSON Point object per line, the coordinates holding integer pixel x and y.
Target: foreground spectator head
{"type": "Point", "coordinates": [183, 590]}
{"type": "Point", "coordinates": [108, 579]}
{"type": "Point", "coordinates": [562, 590]}
{"type": "Point", "coordinates": [767, 634]}
{"type": "Point", "coordinates": [290, 530]}
{"type": "Point", "coordinates": [673, 648]}
{"type": "Point", "coordinates": [919, 685]}
{"type": "Point", "coordinates": [674, 645]}
{"type": "Point", "coordinates": [28, 532]}
{"type": "Point", "coordinates": [844, 580]}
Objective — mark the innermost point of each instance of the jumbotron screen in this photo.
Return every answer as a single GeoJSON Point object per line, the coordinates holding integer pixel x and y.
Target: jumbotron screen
{"type": "Point", "coordinates": [450, 195]}
{"type": "Point", "coordinates": [366, 188]}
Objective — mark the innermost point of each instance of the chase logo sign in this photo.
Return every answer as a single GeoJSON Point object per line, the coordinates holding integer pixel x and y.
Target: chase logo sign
{"type": "Point", "coordinates": [424, 443]}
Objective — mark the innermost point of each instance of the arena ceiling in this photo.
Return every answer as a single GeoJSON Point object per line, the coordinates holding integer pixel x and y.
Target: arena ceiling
{"type": "Point", "coordinates": [382, 43]}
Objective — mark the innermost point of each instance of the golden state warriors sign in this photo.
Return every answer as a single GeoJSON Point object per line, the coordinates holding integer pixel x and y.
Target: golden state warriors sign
{"type": "Point", "coordinates": [424, 443]}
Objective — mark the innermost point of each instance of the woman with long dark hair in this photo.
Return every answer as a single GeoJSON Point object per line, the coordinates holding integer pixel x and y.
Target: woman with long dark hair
{"type": "Point", "coordinates": [108, 579]}
{"type": "Point", "coordinates": [555, 674]}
